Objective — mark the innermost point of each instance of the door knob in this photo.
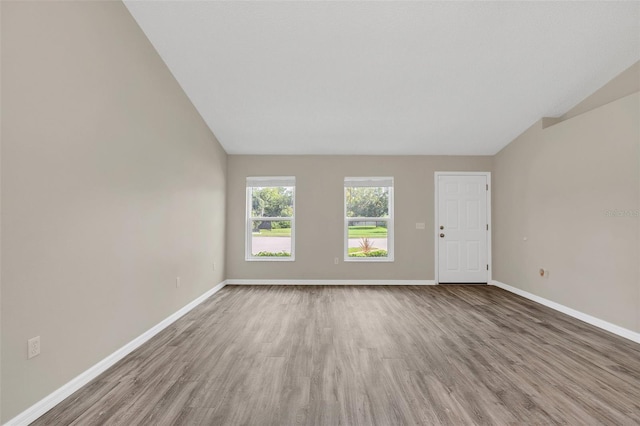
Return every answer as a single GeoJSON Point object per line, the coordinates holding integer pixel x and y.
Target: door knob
{"type": "Point", "coordinates": [441, 235]}
{"type": "Point", "coordinates": [441, 227]}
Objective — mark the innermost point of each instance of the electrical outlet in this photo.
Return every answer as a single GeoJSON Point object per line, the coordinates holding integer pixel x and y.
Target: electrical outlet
{"type": "Point", "coordinates": [335, 260]}
{"type": "Point", "coordinates": [33, 347]}
{"type": "Point", "coordinates": [177, 282]}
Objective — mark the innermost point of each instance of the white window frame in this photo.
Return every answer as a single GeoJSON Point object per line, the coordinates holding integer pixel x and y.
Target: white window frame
{"type": "Point", "coordinates": [387, 182]}
{"type": "Point", "coordinates": [262, 182]}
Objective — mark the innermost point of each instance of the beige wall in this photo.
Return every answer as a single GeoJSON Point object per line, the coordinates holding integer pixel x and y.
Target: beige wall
{"type": "Point", "coordinates": [625, 83]}
{"type": "Point", "coordinates": [554, 187]}
{"type": "Point", "coordinates": [112, 185]}
{"type": "Point", "coordinates": [319, 214]}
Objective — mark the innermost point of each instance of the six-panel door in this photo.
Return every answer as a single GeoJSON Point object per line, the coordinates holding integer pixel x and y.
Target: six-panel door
{"type": "Point", "coordinates": [462, 229]}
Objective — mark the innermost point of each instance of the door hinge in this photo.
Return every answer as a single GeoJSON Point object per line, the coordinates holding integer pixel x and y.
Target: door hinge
{"type": "Point", "coordinates": [487, 226]}
{"type": "Point", "coordinates": [487, 267]}
{"type": "Point", "coordinates": [487, 187]}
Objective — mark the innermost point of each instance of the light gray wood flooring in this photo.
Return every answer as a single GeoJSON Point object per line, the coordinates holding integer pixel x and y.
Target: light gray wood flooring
{"type": "Point", "coordinates": [367, 355]}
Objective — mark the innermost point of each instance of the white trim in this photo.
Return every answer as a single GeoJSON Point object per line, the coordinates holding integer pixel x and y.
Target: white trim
{"type": "Point", "coordinates": [489, 243]}
{"type": "Point", "coordinates": [242, 281]}
{"type": "Point", "coordinates": [48, 402]}
{"type": "Point", "coordinates": [369, 259]}
{"type": "Point", "coordinates": [390, 222]}
{"type": "Point", "coordinates": [436, 219]}
{"type": "Point", "coordinates": [265, 181]}
{"type": "Point", "coordinates": [612, 328]}
{"type": "Point", "coordinates": [248, 235]}
{"type": "Point", "coordinates": [270, 258]}
{"type": "Point", "coordinates": [368, 181]}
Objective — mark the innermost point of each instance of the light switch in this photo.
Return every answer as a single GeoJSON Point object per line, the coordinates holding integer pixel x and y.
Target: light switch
{"type": "Point", "coordinates": [420, 225]}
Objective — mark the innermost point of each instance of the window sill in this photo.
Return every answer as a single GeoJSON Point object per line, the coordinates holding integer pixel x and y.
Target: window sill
{"type": "Point", "coordinates": [367, 260]}
{"type": "Point", "coordinates": [269, 259]}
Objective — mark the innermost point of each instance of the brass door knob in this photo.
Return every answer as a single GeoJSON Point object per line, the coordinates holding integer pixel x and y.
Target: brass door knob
{"type": "Point", "coordinates": [441, 227]}
{"type": "Point", "coordinates": [441, 235]}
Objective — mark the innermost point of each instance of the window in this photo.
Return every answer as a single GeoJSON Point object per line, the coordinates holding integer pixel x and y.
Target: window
{"type": "Point", "coordinates": [368, 219]}
{"type": "Point", "coordinates": [270, 218]}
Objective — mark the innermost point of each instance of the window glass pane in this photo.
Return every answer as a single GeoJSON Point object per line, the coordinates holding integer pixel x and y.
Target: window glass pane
{"type": "Point", "coordinates": [367, 201]}
{"type": "Point", "coordinates": [271, 238]}
{"type": "Point", "coordinates": [367, 239]}
{"type": "Point", "coordinates": [272, 201]}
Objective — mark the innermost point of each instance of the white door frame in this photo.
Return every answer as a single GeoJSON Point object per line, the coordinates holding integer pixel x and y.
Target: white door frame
{"type": "Point", "coordinates": [436, 231]}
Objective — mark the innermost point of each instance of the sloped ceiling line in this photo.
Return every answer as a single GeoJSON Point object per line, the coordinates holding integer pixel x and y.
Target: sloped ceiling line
{"type": "Point", "coordinates": [397, 78]}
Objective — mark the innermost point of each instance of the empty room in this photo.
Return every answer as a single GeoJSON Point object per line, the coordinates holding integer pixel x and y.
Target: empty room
{"type": "Point", "coordinates": [319, 212]}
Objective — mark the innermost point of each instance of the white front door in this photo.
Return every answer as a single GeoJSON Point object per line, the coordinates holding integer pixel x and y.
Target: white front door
{"type": "Point", "coordinates": [462, 229]}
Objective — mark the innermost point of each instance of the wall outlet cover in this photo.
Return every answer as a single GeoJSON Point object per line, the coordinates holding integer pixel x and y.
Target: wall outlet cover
{"type": "Point", "coordinates": [33, 347]}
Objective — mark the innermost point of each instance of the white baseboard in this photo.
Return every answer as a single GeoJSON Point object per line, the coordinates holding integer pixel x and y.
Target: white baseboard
{"type": "Point", "coordinates": [240, 281]}
{"type": "Point", "coordinates": [612, 328]}
{"type": "Point", "coordinates": [39, 408]}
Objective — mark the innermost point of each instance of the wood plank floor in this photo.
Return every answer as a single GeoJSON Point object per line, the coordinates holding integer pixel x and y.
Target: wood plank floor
{"type": "Point", "coordinates": [367, 355]}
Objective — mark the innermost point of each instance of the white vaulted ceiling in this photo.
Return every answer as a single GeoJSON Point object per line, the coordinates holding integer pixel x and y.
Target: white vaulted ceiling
{"type": "Point", "coordinates": [386, 77]}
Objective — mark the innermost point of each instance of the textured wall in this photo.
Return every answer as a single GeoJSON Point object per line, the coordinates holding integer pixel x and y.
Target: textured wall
{"type": "Point", "coordinates": [320, 209]}
{"type": "Point", "coordinates": [558, 188]}
{"type": "Point", "coordinates": [112, 185]}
